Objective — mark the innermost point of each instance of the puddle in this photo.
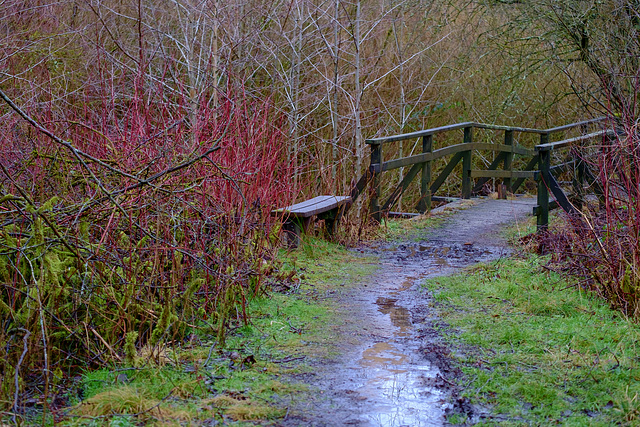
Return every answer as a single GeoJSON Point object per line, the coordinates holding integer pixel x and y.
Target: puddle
{"type": "Point", "coordinates": [393, 381]}
{"type": "Point", "coordinates": [394, 375]}
{"type": "Point", "coordinates": [400, 316]}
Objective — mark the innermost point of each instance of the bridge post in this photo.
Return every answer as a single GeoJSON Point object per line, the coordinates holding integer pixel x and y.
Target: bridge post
{"type": "Point", "coordinates": [375, 169]}
{"type": "Point", "coordinates": [609, 140]}
{"type": "Point", "coordinates": [466, 164]}
{"type": "Point", "coordinates": [578, 180]}
{"type": "Point", "coordinates": [544, 163]}
{"type": "Point", "coordinates": [508, 158]}
{"type": "Point", "coordinates": [424, 205]}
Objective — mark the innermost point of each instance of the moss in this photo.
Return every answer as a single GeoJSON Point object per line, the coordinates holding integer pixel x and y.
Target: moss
{"type": "Point", "coordinates": [167, 317]}
{"type": "Point", "coordinates": [5, 310]}
{"type": "Point", "coordinates": [130, 347]}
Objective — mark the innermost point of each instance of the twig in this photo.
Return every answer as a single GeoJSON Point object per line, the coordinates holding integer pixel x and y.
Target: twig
{"type": "Point", "coordinates": [477, 390]}
{"type": "Point", "coordinates": [25, 340]}
{"type": "Point", "coordinates": [164, 399]}
{"type": "Point", "coordinates": [294, 329]}
{"type": "Point", "coordinates": [446, 380]}
{"type": "Point", "coordinates": [206, 362]}
{"type": "Point", "coordinates": [288, 359]}
{"type": "Point", "coordinates": [104, 342]}
{"type": "Point", "coordinates": [77, 152]}
{"type": "Point", "coordinates": [80, 155]}
{"type": "Point", "coordinates": [41, 214]}
{"type": "Point", "coordinates": [148, 181]}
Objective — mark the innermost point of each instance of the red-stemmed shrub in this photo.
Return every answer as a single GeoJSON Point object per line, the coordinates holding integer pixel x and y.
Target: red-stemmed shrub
{"type": "Point", "coordinates": [130, 224]}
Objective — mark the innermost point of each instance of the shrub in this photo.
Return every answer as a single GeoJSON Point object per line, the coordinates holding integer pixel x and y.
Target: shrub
{"type": "Point", "coordinates": [602, 245]}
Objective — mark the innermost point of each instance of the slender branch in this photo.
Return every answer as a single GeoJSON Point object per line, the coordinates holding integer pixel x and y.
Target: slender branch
{"type": "Point", "coordinates": [77, 152]}
{"type": "Point", "coordinates": [42, 215]}
{"type": "Point", "coordinates": [16, 384]}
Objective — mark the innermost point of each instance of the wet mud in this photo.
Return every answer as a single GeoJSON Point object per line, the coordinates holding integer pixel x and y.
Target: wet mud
{"type": "Point", "coordinates": [395, 369]}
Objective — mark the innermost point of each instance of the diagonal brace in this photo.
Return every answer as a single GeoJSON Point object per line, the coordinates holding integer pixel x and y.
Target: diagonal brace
{"type": "Point", "coordinates": [402, 186]}
{"type": "Point", "coordinates": [493, 166]}
{"type": "Point", "coordinates": [445, 173]}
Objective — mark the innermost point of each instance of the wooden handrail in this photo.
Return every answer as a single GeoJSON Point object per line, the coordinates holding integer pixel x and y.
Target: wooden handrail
{"type": "Point", "coordinates": [549, 146]}
{"type": "Point", "coordinates": [451, 149]}
{"type": "Point", "coordinates": [418, 134]}
{"type": "Point", "coordinates": [577, 124]}
{"type": "Point", "coordinates": [441, 129]}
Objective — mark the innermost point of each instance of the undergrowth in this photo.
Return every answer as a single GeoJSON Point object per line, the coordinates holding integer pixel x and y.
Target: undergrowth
{"type": "Point", "coordinates": [600, 244]}
{"type": "Point", "coordinates": [199, 382]}
{"type": "Point", "coordinates": [252, 379]}
{"type": "Point", "coordinates": [536, 349]}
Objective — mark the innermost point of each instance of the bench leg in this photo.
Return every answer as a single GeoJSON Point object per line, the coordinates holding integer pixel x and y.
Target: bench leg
{"type": "Point", "coordinates": [294, 228]}
{"type": "Point", "coordinates": [331, 221]}
{"type": "Point", "coordinates": [330, 225]}
{"type": "Point", "coordinates": [292, 232]}
{"type": "Point", "coordinates": [305, 223]}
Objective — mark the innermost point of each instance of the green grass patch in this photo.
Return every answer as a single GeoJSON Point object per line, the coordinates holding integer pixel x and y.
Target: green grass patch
{"type": "Point", "coordinates": [398, 229]}
{"type": "Point", "coordinates": [538, 351]}
{"type": "Point", "coordinates": [251, 379]}
{"type": "Point", "coordinates": [403, 229]}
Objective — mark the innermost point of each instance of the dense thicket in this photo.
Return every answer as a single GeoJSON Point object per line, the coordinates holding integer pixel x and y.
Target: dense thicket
{"type": "Point", "coordinates": [596, 45]}
{"type": "Point", "coordinates": [339, 71]}
{"type": "Point", "coordinates": [143, 145]}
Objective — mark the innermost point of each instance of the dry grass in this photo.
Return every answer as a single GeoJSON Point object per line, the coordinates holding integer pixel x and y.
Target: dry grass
{"type": "Point", "coordinates": [128, 400]}
{"type": "Point", "coordinates": [244, 409]}
{"type": "Point", "coordinates": [153, 356]}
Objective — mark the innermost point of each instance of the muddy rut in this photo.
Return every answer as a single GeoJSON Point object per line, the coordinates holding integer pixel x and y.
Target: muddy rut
{"type": "Point", "coordinates": [395, 370]}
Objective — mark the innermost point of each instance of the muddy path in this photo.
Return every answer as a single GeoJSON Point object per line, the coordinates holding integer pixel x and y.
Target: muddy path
{"type": "Point", "coordinates": [394, 369]}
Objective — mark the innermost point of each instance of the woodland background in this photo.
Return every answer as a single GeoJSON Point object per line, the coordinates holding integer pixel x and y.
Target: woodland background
{"type": "Point", "coordinates": [143, 144]}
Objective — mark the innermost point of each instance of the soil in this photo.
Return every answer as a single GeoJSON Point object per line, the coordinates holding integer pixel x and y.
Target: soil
{"type": "Point", "coordinates": [395, 368]}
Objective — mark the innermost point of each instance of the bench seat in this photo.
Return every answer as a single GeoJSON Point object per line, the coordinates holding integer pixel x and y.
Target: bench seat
{"type": "Point", "coordinates": [298, 217]}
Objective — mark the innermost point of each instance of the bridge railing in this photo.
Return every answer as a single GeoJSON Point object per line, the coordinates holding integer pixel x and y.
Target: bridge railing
{"type": "Point", "coordinates": [573, 153]}
{"type": "Point", "coordinates": [536, 165]}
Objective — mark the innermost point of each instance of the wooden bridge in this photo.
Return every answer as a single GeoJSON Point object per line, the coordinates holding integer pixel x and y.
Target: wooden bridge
{"type": "Point", "coordinates": [558, 168]}
{"type": "Point", "coordinates": [512, 164]}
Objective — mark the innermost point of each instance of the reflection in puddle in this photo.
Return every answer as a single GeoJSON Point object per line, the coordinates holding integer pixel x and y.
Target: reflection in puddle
{"type": "Point", "coordinates": [395, 382]}
{"type": "Point", "coordinates": [383, 354]}
{"type": "Point", "coordinates": [400, 316]}
{"type": "Point", "coordinates": [393, 376]}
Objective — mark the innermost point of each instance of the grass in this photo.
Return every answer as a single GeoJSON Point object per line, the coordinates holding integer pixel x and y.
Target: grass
{"type": "Point", "coordinates": [399, 229]}
{"type": "Point", "coordinates": [537, 350]}
{"type": "Point", "coordinates": [251, 379]}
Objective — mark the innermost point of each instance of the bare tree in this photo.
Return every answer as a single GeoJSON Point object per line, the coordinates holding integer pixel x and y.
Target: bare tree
{"type": "Point", "coordinates": [594, 44]}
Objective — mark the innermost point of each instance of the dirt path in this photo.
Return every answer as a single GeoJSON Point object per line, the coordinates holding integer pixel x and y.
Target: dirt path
{"type": "Point", "coordinates": [395, 371]}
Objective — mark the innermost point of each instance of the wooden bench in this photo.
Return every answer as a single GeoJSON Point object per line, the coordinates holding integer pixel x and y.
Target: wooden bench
{"type": "Point", "coordinates": [298, 217]}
